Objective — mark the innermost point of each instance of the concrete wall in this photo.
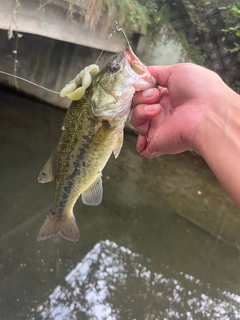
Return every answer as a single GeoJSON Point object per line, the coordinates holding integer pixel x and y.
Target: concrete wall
{"type": "Point", "coordinates": [166, 50]}
{"type": "Point", "coordinates": [52, 63]}
{"type": "Point", "coordinates": [48, 62]}
{"type": "Point", "coordinates": [55, 45]}
{"type": "Point", "coordinates": [57, 19]}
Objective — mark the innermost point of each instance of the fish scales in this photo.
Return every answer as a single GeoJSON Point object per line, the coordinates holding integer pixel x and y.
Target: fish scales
{"type": "Point", "coordinates": [91, 131]}
{"type": "Point", "coordinates": [79, 159]}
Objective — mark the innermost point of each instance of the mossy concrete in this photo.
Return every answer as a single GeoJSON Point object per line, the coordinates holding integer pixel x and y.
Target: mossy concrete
{"type": "Point", "coordinates": [167, 48]}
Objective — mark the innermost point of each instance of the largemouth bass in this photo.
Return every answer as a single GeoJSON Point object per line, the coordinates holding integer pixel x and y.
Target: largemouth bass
{"type": "Point", "coordinates": [92, 130]}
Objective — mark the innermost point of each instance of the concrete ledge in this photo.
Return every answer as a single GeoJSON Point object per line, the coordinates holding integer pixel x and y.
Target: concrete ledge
{"type": "Point", "coordinates": [52, 20]}
{"type": "Point", "coordinates": [48, 62]}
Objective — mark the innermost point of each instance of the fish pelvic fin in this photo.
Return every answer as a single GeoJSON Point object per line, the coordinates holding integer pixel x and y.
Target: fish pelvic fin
{"type": "Point", "coordinates": [65, 227]}
{"type": "Point", "coordinates": [118, 144]}
{"type": "Point", "coordinates": [93, 195]}
{"type": "Point", "coordinates": [46, 174]}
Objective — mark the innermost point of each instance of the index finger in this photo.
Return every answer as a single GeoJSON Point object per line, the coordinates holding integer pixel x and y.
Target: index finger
{"type": "Point", "coordinates": [142, 115]}
{"type": "Point", "coordinates": [148, 96]}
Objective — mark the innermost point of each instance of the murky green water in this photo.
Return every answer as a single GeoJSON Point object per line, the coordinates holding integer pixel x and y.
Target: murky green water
{"type": "Point", "coordinates": [136, 258]}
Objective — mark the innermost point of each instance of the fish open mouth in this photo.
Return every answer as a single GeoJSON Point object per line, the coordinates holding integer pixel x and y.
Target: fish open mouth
{"type": "Point", "coordinates": [145, 79]}
{"type": "Point", "coordinates": [135, 63]}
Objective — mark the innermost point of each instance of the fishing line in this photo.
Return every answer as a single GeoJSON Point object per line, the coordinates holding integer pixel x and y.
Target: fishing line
{"type": "Point", "coordinates": [35, 84]}
{"type": "Point", "coordinates": [102, 51]}
{"type": "Point", "coordinates": [124, 34]}
{"type": "Point", "coordinates": [114, 29]}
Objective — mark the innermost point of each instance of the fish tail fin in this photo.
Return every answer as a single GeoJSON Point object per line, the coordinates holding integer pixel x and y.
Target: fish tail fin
{"type": "Point", "coordinates": [65, 227]}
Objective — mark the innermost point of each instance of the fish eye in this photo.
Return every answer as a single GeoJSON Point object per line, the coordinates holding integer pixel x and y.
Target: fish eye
{"type": "Point", "coordinates": [114, 67]}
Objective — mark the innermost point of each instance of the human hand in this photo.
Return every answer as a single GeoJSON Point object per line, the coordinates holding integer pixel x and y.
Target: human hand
{"type": "Point", "coordinates": [171, 118]}
{"type": "Point", "coordinates": [192, 108]}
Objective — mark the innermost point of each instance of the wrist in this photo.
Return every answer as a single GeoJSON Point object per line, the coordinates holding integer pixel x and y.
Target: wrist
{"type": "Point", "coordinates": [220, 127]}
{"type": "Point", "coordinates": [219, 141]}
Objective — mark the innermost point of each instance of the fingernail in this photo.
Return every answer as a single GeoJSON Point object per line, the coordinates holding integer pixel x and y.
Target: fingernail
{"type": "Point", "coordinates": [150, 107]}
{"type": "Point", "coordinates": [148, 92]}
{"type": "Point", "coordinates": [155, 154]}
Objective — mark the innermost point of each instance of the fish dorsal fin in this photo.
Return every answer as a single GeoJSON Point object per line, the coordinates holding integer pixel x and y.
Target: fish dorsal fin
{"type": "Point", "coordinates": [93, 195]}
{"type": "Point", "coordinates": [118, 144]}
{"type": "Point", "coordinates": [46, 175]}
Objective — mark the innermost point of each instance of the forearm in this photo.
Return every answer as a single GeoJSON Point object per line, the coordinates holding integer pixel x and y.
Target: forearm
{"type": "Point", "coordinates": [219, 143]}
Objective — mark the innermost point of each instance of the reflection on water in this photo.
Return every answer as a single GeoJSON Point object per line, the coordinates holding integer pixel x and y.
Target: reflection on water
{"type": "Point", "coordinates": [154, 265]}
{"type": "Point", "coordinates": [110, 273]}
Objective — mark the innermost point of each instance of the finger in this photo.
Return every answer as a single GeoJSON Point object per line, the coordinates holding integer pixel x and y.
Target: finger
{"type": "Point", "coordinates": [142, 115]}
{"type": "Point", "coordinates": [148, 96]}
{"type": "Point", "coordinates": [141, 143]}
{"type": "Point", "coordinates": [166, 139]}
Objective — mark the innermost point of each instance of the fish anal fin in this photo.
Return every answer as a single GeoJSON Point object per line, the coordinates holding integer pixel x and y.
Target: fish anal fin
{"type": "Point", "coordinates": [46, 174]}
{"type": "Point", "coordinates": [118, 144]}
{"type": "Point", "coordinates": [65, 227]}
{"type": "Point", "coordinates": [93, 195]}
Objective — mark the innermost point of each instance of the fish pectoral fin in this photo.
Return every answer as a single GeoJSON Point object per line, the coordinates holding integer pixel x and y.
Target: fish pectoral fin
{"type": "Point", "coordinates": [46, 174]}
{"type": "Point", "coordinates": [93, 195]}
{"type": "Point", "coordinates": [118, 144]}
{"type": "Point", "coordinates": [64, 227]}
